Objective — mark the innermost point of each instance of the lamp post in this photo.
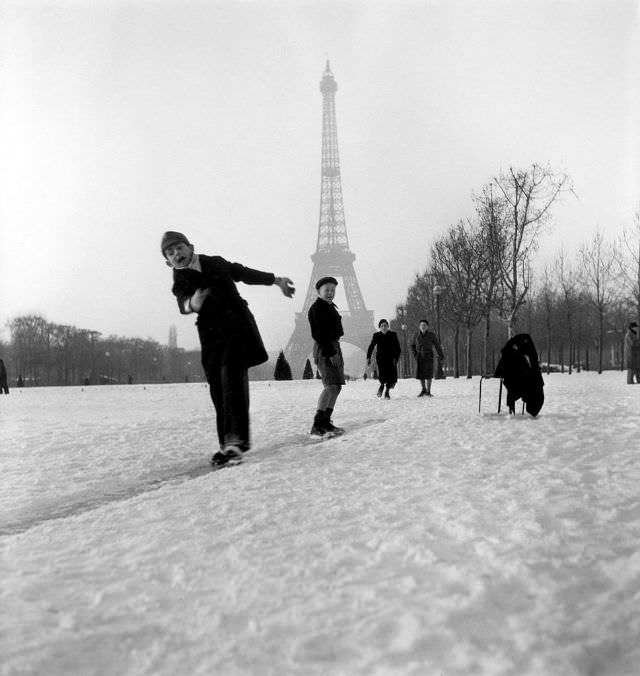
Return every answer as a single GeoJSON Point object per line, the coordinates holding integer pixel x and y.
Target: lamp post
{"type": "Point", "coordinates": [401, 313]}
{"type": "Point", "coordinates": [437, 290]}
{"type": "Point", "coordinates": [405, 356]}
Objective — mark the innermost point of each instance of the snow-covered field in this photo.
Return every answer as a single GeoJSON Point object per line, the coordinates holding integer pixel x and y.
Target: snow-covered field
{"type": "Point", "coordinates": [429, 540]}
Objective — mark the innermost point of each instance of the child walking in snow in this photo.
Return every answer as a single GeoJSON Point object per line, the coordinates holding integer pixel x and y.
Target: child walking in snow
{"type": "Point", "coordinates": [387, 347]}
{"type": "Point", "coordinates": [229, 336]}
{"type": "Point", "coordinates": [326, 330]}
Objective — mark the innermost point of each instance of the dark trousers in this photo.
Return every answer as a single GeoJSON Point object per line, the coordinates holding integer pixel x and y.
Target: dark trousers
{"type": "Point", "coordinates": [228, 379]}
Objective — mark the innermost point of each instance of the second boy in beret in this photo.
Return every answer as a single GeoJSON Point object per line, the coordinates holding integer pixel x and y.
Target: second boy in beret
{"type": "Point", "coordinates": [326, 330]}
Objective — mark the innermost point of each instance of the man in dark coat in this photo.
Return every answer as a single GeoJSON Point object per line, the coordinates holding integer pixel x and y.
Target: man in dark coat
{"type": "Point", "coordinates": [4, 381]}
{"type": "Point", "coordinates": [326, 330]}
{"type": "Point", "coordinates": [387, 347]}
{"type": "Point", "coordinates": [520, 372]}
{"type": "Point", "coordinates": [229, 336]}
{"type": "Point", "coordinates": [423, 343]}
{"type": "Point", "coordinates": [632, 353]}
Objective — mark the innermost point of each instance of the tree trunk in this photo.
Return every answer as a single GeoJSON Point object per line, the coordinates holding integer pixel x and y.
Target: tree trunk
{"type": "Point", "coordinates": [469, 332]}
{"type": "Point", "coordinates": [456, 352]}
{"type": "Point", "coordinates": [487, 332]}
{"type": "Point", "coordinates": [600, 340]}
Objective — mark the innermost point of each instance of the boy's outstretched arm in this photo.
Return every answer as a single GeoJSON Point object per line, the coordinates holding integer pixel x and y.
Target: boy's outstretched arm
{"type": "Point", "coordinates": [286, 286]}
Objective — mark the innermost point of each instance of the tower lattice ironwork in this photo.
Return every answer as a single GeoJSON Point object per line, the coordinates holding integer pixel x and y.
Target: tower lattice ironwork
{"type": "Point", "coordinates": [333, 256]}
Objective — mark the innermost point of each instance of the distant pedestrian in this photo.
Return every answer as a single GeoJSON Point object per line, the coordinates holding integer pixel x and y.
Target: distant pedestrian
{"type": "Point", "coordinates": [229, 337]}
{"type": "Point", "coordinates": [326, 331]}
{"type": "Point", "coordinates": [632, 353]}
{"type": "Point", "coordinates": [4, 381]}
{"type": "Point", "coordinates": [423, 344]}
{"type": "Point", "coordinates": [388, 351]}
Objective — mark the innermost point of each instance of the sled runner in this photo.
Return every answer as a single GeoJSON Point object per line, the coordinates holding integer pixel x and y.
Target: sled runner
{"type": "Point", "coordinates": [519, 371]}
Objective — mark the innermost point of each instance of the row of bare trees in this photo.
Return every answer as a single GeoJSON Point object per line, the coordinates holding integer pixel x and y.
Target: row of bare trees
{"type": "Point", "coordinates": [480, 280]}
{"type": "Point", "coordinates": [43, 353]}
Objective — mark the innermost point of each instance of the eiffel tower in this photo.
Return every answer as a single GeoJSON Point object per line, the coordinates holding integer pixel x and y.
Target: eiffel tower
{"type": "Point", "coordinates": [332, 256]}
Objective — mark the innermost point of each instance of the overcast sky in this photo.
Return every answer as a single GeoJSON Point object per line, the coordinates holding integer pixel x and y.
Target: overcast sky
{"type": "Point", "coordinates": [120, 120]}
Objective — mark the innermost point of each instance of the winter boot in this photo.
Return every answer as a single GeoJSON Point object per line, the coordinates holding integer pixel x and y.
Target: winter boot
{"type": "Point", "coordinates": [230, 455]}
{"type": "Point", "coordinates": [380, 390]}
{"type": "Point", "coordinates": [387, 394]}
{"type": "Point", "coordinates": [319, 429]}
{"type": "Point", "coordinates": [329, 426]}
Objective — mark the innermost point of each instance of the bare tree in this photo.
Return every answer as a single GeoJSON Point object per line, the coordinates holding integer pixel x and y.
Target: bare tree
{"type": "Point", "coordinates": [490, 247]}
{"type": "Point", "coordinates": [566, 281]}
{"type": "Point", "coordinates": [629, 262]}
{"type": "Point", "coordinates": [598, 279]}
{"type": "Point", "coordinates": [457, 265]}
{"type": "Point", "coordinates": [528, 195]}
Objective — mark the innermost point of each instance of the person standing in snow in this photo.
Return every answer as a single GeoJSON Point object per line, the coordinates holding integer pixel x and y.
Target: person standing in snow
{"type": "Point", "coordinates": [387, 354]}
{"type": "Point", "coordinates": [326, 331]}
{"type": "Point", "coordinates": [229, 336]}
{"type": "Point", "coordinates": [4, 381]}
{"type": "Point", "coordinates": [632, 353]}
{"type": "Point", "coordinates": [423, 344]}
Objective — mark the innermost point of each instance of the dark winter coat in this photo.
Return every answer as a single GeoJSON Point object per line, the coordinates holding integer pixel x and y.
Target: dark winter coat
{"type": "Point", "coordinates": [520, 371]}
{"type": "Point", "coordinates": [422, 347]}
{"type": "Point", "coordinates": [326, 326]}
{"type": "Point", "coordinates": [632, 350]}
{"type": "Point", "coordinates": [326, 330]}
{"type": "Point", "coordinates": [225, 318]}
{"type": "Point", "coordinates": [387, 353]}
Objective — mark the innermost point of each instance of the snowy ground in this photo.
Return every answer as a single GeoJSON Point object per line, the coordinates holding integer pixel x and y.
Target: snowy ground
{"type": "Point", "coordinates": [429, 540]}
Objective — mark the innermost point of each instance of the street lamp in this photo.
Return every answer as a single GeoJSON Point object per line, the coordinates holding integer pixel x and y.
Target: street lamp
{"type": "Point", "coordinates": [402, 315]}
{"type": "Point", "coordinates": [437, 290]}
{"type": "Point", "coordinates": [405, 356]}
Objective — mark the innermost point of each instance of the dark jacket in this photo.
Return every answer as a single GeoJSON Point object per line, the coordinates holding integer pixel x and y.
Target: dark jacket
{"type": "Point", "coordinates": [326, 326]}
{"type": "Point", "coordinates": [632, 349]}
{"type": "Point", "coordinates": [224, 317]}
{"type": "Point", "coordinates": [386, 345]}
{"type": "Point", "coordinates": [422, 346]}
{"type": "Point", "coordinates": [520, 371]}
{"type": "Point", "coordinates": [387, 352]}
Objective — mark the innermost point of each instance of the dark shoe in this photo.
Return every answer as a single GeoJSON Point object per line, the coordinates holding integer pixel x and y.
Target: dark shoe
{"type": "Point", "coordinates": [387, 395]}
{"type": "Point", "coordinates": [379, 394]}
{"type": "Point", "coordinates": [329, 426]}
{"type": "Point", "coordinates": [231, 455]}
{"type": "Point", "coordinates": [423, 393]}
{"type": "Point", "coordinates": [318, 429]}
{"type": "Point", "coordinates": [428, 394]}
{"type": "Point", "coordinates": [332, 429]}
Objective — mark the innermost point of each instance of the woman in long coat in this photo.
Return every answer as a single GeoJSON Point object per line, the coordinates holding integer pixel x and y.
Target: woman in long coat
{"type": "Point", "coordinates": [387, 354]}
{"type": "Point", "coordinates": [422, 345]}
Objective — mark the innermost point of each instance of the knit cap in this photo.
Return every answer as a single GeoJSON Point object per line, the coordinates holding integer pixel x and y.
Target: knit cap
{"type": "Point", "coordinates": [170, 238]}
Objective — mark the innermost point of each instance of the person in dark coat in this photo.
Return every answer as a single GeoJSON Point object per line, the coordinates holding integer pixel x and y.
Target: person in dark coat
{"type": "Point", "coordinates": [520, 372]}
{"type": "Point", "coordinates": [326, 330]}
{"type": "Point", "coordinates": [4, 381]}
{"type": "Point", "coordinates": [387, 349]}
{"type": "Point", "coordinates": [423, 344]}
{"type": "Point", "coordinates": [229, 336]}
{"type": "Point", "coordinates": [632, 353]}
